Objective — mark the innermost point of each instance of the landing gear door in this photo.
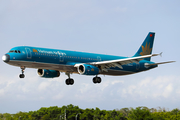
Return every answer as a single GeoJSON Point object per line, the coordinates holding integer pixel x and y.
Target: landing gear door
{"type": "Point", "coordinates": [29, 54]}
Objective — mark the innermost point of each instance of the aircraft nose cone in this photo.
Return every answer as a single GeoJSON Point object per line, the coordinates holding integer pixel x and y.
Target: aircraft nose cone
{"type": "Point", "coordinates": [6, 58]}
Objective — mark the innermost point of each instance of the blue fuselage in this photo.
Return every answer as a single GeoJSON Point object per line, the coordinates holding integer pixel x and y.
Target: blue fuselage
{"type": "Point", "coordinates": [64, 60]}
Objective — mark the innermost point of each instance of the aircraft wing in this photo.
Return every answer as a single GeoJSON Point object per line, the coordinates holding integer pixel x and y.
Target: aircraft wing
{"type": "Point", "coordinates": [119, 62]}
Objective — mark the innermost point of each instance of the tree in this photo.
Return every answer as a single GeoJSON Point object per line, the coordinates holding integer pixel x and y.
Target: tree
{"type": "Point", "coordinates": [140, 113]}
{"type": "Point", "coordinates": [87, 114]}
{"type": "Point", "coordinates": [125, 111]}
{"type": "Point", "coordinates": [54, 113]}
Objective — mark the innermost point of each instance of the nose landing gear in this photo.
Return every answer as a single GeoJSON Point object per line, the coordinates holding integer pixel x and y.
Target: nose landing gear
{"type": "Point", "coordinates": [22, 70]}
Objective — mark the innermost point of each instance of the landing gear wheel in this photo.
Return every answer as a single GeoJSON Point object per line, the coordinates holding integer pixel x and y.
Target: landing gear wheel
{"type": "Point", "coordinates": [21, 76]}
{"type": "Point", "coordinates": [96, 80]}
{"type": "Point", "coordinates": [69, 81]}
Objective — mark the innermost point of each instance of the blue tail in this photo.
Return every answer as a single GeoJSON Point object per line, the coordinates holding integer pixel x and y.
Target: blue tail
{"type": "Point", "coordinates": [146, 47]}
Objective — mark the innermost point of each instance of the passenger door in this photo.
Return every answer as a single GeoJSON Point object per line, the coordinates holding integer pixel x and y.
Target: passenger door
{"type": "Point", "coordinates": [29, 54]}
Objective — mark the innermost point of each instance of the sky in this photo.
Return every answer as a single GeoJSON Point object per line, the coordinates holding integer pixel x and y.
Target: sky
{"type": "Point", "coordinates": [116, 27]}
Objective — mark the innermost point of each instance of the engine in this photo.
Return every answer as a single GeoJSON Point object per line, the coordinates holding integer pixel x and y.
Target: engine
{"type": "Point", "coordinates": [48, 73]}
{"type": "Point", "coordinates": [85, 69]}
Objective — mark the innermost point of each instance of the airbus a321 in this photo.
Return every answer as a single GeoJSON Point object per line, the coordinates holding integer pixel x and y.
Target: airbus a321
{"type": "Point", "coordinates": [50, 62]}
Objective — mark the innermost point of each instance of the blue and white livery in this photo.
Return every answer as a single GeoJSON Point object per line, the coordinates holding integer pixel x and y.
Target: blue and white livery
{"type": "Point", "coordinates": [50, 62]}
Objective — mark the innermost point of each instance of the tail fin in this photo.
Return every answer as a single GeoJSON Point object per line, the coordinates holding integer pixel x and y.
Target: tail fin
{"type": "Point", "coordinates": [146, 47]}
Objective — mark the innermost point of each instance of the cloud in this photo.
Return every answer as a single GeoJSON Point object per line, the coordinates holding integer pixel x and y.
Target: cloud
{"type": "Point", "coordinates": [110, 91]}
{"type": "Point", "coordinates": [153, 88]}
{"type": "Point", "coordinates": [167, 90]}
{"type": "Point", "coordinates": [1, 92]}
{"type": "Point", "coordinates": [43, 86]}
{"type": "Point", "coordinates": [162, 87]}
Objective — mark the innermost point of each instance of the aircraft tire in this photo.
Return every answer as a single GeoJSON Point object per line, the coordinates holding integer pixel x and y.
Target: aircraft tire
{"type": "Point", "coordinates": [67, 82]}
{"type": "Point", "coordinates": [98, 80]}
{"type": "Point", "coordinates": [71, 81]}
{"type": "Point", "coordinates": [95, 80]}
{"type": "Point", "coordinates": [21, 76]}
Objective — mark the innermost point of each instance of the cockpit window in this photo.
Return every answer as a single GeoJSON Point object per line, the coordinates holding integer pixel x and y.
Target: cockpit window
{"type": "Point", "coordinates": [11, 51]}
{"type": "Point", "coordinates": [14, 51]}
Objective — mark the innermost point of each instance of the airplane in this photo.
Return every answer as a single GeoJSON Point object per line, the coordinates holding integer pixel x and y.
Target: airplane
{"type": "Point", "coordinates": [50, 62]}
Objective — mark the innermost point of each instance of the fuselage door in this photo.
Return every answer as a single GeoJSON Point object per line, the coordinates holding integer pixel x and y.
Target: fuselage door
{"type": "Point", "coordinates": [98, 58]}
{"type": "Point", "coordinates": [28, 51]}
{"type": "Point", "coordinates": [61, 57]}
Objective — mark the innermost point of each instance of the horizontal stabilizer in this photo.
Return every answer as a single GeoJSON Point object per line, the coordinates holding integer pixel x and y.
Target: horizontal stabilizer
{"type": "Point", "coordinates": [160, 63]}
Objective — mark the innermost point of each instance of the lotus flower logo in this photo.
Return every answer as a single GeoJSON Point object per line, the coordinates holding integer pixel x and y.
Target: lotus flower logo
{"type": "Point", "coordinates": [92, 69]}
{"type": "Point", "coordinates": [34, 50]}
{"type": "Point", "coordinates": [146, 50]}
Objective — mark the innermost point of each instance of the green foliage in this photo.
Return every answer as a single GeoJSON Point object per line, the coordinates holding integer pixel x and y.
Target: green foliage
{"type": "Point", "coordinates": [140, 113]}
{"type": "Point", "coordinates": [71, 112]}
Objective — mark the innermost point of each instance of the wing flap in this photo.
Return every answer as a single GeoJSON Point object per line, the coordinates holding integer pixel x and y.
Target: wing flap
{"type": "Point", "coordinates": [118, 65]}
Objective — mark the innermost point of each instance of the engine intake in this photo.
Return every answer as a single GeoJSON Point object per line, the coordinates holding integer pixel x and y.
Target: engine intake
{"type": "Point", "coordinates": [85, 69]}
{"type": "Point", "coordinates": [48, 73]}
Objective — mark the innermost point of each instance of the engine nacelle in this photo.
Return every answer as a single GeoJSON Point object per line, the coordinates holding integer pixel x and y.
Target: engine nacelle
{"type": "Point", "coordinates": [48, 73]}
{"type": "Point", "coordinates": [85, 69]}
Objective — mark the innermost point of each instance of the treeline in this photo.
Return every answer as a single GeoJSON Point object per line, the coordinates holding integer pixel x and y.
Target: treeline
{"type": "Point", "coordinates": [71, 112]}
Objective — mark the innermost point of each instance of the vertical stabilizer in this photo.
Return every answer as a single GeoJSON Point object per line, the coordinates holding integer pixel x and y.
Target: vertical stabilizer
{"type": "Point", "coordinates": [146, 47]}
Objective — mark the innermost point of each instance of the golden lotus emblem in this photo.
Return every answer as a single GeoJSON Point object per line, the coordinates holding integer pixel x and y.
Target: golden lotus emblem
{"type": "Point", "coordinates": [146, 50]}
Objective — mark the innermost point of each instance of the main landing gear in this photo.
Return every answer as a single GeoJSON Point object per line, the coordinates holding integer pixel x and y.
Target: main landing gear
{"type": "Point", "coordinates": [22, 70]}
{"type": "Point", "coordinates": [96, 80]}
{"type": "Point", "coordinates": [69, 81]}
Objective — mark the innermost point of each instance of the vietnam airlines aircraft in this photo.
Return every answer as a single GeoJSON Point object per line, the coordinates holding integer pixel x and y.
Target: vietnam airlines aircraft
{"type": "Point", "coordinates": [50, 62]}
